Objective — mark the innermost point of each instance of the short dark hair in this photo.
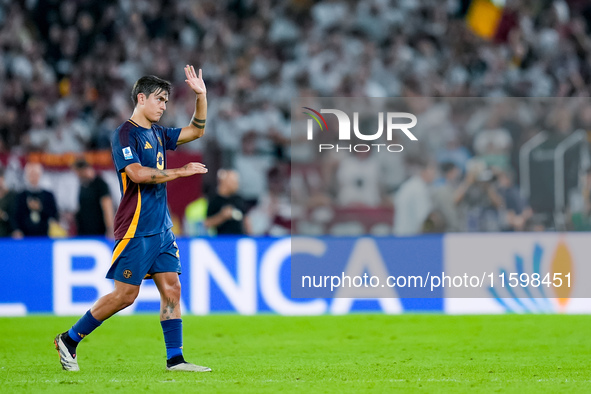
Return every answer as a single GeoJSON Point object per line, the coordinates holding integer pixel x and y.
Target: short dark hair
{"type": "Point", "coordinates": [447, 167]}
{"type": "Point", "coordinates": [148, 85]}
{"type": "Point", "coordinates": [80, 163]}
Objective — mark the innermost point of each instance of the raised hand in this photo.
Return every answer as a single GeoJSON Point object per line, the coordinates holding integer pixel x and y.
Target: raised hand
{"type": "Point", "coordinates": [195, 81]}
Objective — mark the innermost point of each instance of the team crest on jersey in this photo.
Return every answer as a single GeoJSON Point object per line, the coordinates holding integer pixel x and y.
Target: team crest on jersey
{"type": "Point", "coordinates": [127, 274]}
{"type": "Point", "coordinates": [127, 153]}
{"type": "Point", "coordinates": [160, 161]}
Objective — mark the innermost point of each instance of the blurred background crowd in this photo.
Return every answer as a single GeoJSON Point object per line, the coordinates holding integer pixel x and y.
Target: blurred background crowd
{"type": "Point", "coordinates": [67, 67]}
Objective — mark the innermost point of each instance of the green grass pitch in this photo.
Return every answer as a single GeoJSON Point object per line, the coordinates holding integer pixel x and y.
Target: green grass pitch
{"type": "Point", "coordinates": [268, 353]}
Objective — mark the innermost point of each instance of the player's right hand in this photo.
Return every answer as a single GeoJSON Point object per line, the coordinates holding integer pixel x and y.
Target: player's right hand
{"type": "Point", "coordinates": [193, 169]}
{"type": "Point", "coordinates": [195, 81]}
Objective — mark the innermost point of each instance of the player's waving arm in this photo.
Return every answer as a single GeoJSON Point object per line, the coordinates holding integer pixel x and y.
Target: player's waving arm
{"type": "Point", "coordinates": [196, 128]}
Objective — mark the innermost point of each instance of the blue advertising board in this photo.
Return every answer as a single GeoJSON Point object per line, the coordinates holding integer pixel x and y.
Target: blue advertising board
{"type": "Point", "coordinates": [228, 275]}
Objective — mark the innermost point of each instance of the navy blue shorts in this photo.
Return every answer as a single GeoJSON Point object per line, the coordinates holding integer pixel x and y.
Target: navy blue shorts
{"type": "Point", "coordinates": [135, 259]}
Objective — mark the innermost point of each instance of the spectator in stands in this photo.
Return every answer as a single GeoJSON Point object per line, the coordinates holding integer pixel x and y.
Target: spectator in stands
{"type": "Point", "coordinates": [493, 142]}
{"type": "Point", "coordinates": [453, 151]}
{"type": "Point", "coordinates": [95, 205]}
{"type": "Point", "coordinates": [444, 197]}
{"type": "Point", "coordinates": [272, 215]}
{"type": "Point", "coordinates": [434, 224]}
{"type": "Point", "coordinates": [7, 200]}
{"type": "Point", "coordinates": [226, 212]}
{"type": "Point", "coordinates": [79, 58]}
{"type": "Point", "coordinates": [252, 168]}
{"type": "Point", "coordinates": [413, 201]}
{"type": "Point", "coordinates": [35, 207]}
{"type": "Point", "coordinates": [195, 216]}
{"type": "Point", "coordinates": [479, 200]}
{"type": "Point", "coordinates": [9, 130]}
{"type": "Point", "coordinates": [392, 168]}
{"type": "Point", "coordinates": [358, 180]}
{"type": "Point", "coordinates": [227, 131]}
{"type": "Point", "coordinates": [39, 135]}
{"type": "Point", "coordinates": [516, 210]}
{"type": "Point", "coordinates": [70, 135]}
{"type": "Point", "coordinates": [582, 219]}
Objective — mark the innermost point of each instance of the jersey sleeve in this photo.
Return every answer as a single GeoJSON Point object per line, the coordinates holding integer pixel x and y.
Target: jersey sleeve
{"type": "Point", "coordinates": [171, 136]}
{"type": "Point", "coordinates": [124, 150]}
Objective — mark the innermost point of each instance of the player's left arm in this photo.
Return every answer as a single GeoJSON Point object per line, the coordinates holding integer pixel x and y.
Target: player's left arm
{"type": "Point", "coordinates": [196, 128]}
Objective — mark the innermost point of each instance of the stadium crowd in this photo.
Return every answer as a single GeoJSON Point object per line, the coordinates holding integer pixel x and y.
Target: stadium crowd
{"type": "Point", "coordinates": [66, 68]}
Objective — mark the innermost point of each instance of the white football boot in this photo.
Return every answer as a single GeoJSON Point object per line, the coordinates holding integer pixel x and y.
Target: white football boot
{"type": "Point", "coordinates": [67, 357]}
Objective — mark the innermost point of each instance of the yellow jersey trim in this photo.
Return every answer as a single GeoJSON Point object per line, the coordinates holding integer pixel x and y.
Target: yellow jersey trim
{"type": "Point", "coordinates": [124, 181]}
{"type": "Point", "coordinates": [136, 216]}
{"type": "Point", "coordinates": [119, 249]}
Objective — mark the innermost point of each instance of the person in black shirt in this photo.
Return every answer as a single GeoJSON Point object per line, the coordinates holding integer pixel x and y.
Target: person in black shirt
{"type": "Point", "coordinates": [226, 212]}
{"type": "Point", "coordinates": [35, 207]}
{"type": "Point", "coordinates": [7, 200]}
{"type": "Point", "coordinates": [95, 213]}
